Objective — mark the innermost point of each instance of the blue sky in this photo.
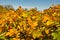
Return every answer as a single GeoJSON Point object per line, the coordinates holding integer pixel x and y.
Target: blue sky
{"type": "Point", "coordinates": [40, 4]}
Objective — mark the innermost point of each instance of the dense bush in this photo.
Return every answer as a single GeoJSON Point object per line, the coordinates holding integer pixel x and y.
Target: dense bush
{"type": "Point", "coordinates": [30, 24]}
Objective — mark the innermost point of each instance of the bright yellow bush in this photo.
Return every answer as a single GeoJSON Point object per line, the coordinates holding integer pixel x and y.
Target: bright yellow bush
{"type": "Point", "coordinates": [30, 24]}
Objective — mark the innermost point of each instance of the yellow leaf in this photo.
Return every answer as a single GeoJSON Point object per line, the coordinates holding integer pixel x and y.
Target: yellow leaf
{"type": "Point", "coordinates": [0, 21]}
{"type": "Point", "coordinates": [29, 21]}
{"type": "Point", "coordinates": [33, 17]}
{"type": "Point", "coordinates": [49, 22]}
{"type": "Point", "coordinates": [54, 14]}
{"type": "Point", "coordinates": [0, 29]}
{"type": "Point", "coordinates": [45, 18]}
{"type": "Point", "coordinates": [35, 23]}
{"type": "Point", "coordinates": [7, 34]}
{"type": "Point", "coordinates": [16, 39]}
{"type": "Point", "coordinates": [10, 33]}
{"type": "Point", "coordinates": [46, 31]}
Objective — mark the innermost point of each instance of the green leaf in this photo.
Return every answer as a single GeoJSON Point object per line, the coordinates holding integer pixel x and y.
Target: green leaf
{"type": "Point", "coordinates": [6, 26]}
{"type": "Point", "coordinates": [36, 34]}
{"type": "Point", "coordinates": [2, 37]}
{"type": "Point", "coordinates": [56, 35]}
{"type": "Point", "coordinates": [14, 24]}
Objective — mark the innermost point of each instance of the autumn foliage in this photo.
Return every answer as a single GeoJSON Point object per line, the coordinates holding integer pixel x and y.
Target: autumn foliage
{"type": "Point", "coordinates": [21, 24]}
